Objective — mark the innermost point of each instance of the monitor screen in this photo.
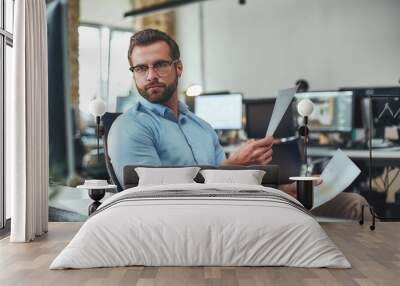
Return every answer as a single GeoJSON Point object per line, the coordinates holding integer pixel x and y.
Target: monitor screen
{"type": "Point", "coordinates": [125, 102]}
{"type": "Point", "coordinates": [222, 111]}
{"type": "Point", "coordinates": [385, 113]}
{"type": "Point", "coordinates": [360, 118]}
{"type": "Point", "coordinates": [333, 110]}
{"type": "Point", "coordinates": [258, 116]}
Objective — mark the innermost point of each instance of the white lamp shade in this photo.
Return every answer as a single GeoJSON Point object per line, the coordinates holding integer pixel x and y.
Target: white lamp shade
{"type": "Point", "coordinates": [305, 107]}
{"type": "Point", "coordinates": [194, 90]}
{"type": "Point", "coordinates": [97, 107]}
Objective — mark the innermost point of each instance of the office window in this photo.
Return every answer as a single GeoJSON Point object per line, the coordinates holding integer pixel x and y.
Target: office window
{"type": "Point", "coordinates": [103, 71]}
{"type": "Point", "coordinates": [103, 66]}
{"type": "Point", "coordinates": [6, 43]}
{"type": "Point", "coordinates": [90, 64]}
{"type": "Point", "coordinates": [119, 77]}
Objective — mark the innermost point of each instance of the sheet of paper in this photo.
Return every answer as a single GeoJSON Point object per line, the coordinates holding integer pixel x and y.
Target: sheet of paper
{"type": "Point", "coordinates": [337, 176]}
{"type": "Point", "coordinates": [282, 102]}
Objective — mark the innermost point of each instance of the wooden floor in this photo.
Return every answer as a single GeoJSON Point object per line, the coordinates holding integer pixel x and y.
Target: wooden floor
{"type": "Point", "coordinates": [374, 255]}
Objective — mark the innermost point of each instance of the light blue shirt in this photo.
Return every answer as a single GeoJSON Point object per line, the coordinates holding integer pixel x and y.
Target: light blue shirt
{"type": "Point", "coordinates": [151, 134]}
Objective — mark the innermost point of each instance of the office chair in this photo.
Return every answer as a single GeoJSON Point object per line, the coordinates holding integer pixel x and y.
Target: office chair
{"type": "Point", "coordinates": [288, 157]}
{"type": "Point", "coordinates": [107, 120]}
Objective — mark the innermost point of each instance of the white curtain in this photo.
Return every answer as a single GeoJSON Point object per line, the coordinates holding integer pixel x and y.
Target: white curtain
{"type": "Point", "coordinates": [27, 123]}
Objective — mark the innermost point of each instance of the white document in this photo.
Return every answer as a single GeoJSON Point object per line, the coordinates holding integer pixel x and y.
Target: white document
{"type": "Point", "coordinates": [337, 176]}
{"type": "Point", "coordinates": [282, 102]}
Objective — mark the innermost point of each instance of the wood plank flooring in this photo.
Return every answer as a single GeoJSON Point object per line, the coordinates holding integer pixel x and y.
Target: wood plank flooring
{"type": "Point", "coordinates": [374, 255]}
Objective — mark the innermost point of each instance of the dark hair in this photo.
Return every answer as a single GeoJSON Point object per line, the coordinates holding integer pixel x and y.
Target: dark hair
{"type": "Point", "coordinates": [151, 36]}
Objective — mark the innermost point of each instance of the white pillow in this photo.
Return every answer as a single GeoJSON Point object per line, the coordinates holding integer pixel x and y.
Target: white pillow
{"type": "Point", "coordinates": [165, 176]}
{"type": "Point", "coordinates": [248, 177]}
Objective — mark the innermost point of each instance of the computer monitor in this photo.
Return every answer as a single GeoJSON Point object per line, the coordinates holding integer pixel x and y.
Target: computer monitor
{"type": "Point", "coordinates": [258, 115]}
{"type": "Point", "coordinates": [386, 111]}
{"type": "Point", "coordinates": [125, 102]}
{"type": "Point", "coordinates": [360, 117]}
{"type": "Point", "coordinates": [333, 111]}
{"type": "Point", "coordinates": [385, 106]}
{"type": "Point", "coordinates": [222, 111]}
{"type": "Point", "coordinates": [360, 113]}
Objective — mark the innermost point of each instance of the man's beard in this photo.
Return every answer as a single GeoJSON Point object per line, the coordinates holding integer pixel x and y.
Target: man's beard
{"type": "Point", "coordinates": [163, 97]}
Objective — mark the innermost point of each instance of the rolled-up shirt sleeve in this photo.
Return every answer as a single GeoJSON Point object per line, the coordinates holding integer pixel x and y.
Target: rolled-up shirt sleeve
{"type": "Point", "coordinates": [131, 143]}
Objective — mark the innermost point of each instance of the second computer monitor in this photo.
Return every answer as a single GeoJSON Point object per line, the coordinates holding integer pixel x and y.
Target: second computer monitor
{"type": "Point", "coordinates": [222, 111]}
{"type": "Point", "coordinates": [258, 116]}
{"type": "Point", "coordinates": [333, 110]}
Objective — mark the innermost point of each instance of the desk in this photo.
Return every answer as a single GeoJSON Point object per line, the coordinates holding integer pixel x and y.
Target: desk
{"type": "Point", "coordinates": [381, 159]}
{"type": "Point", "coordinates": [383, 156]}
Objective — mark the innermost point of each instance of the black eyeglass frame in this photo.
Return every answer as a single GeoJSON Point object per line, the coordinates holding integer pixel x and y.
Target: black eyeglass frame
{"type": "Point", "coordinates": [172, 62]}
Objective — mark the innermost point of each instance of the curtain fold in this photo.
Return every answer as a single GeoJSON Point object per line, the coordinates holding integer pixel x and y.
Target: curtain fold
{"type": "Point", "coordinates": [27, 117]}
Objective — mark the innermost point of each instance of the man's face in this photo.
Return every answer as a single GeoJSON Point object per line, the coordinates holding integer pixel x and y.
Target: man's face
{"type": "Point", "coordinates": [154, 87]}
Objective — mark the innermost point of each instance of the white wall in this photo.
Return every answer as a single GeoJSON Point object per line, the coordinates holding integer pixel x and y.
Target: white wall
{"type": "Point", "coordinates": [106, 12]}
{"type": "Point", "coordinates": [265, 45]}
{"type": "Point", "coordinates": [188, 38]}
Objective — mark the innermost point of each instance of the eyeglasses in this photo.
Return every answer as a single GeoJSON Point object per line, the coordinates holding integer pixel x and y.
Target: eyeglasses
{"type": "Point", "coordinates": [162, 68]}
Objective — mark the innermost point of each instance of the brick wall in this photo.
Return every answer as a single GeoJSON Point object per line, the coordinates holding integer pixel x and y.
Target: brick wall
{"type": "Point", "coordinates": [164, 21]}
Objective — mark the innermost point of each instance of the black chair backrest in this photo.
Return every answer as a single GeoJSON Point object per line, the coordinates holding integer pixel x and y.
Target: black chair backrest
{"type": "Point", "coordinates": [288, 157]}
{"type": "Point", "coordinates": [107, 119]}
{"type": "Point", "coordinates": [270, 179]}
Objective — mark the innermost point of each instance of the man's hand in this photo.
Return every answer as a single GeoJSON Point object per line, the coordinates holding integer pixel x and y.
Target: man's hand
{"type": "Point", "coordinates": [291, 189]}
{"type": "Point", "coordinates": [253, 152]}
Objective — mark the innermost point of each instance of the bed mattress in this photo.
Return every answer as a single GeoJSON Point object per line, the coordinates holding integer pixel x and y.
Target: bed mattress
{"type": "Point", "coordinates": [201, 225]}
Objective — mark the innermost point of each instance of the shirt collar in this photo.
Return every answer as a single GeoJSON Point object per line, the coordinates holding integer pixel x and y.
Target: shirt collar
{"type": "Point", "coordinates": [155, 107]}
{"type": "Point", "coordinates": [183, 108]}
{"type": "Point", "coordinates": [160, 108]}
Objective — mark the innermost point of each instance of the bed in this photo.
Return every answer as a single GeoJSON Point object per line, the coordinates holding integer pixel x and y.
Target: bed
{"type": "Point", "coordinates": [198, 224]}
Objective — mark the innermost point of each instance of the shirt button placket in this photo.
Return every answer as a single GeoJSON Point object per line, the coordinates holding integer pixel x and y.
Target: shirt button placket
{"type": "Point", "coordinates": [182, 121]}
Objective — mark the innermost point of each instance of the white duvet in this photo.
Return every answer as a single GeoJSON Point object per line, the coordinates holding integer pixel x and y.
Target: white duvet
{"type": "Point", "coordinates": [188, 231]}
